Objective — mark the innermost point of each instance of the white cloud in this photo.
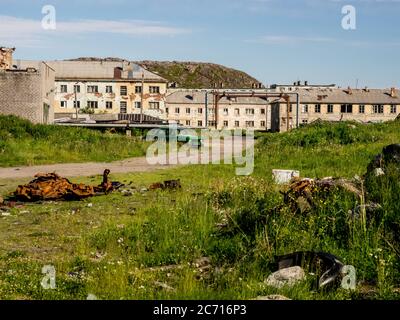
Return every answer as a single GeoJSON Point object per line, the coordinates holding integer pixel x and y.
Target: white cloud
{"type": "Point", "coordinates": [29, 32]}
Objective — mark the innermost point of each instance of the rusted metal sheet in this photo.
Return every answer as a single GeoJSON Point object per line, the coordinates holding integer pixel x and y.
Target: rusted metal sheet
{"type": "Point", "coordinates": [51, 186]}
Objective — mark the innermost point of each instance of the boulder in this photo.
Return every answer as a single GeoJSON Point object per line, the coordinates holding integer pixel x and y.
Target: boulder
{"type": "Point", "coordinates": [285, 277]}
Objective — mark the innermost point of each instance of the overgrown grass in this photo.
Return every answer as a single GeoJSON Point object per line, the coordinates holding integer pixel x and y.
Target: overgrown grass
{"type": "Point", "coordinates": [23, 143]}
{"type": "Point", "coordinates": [114, 248]}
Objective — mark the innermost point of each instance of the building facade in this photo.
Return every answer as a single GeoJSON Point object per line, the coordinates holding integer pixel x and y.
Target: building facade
{"type": "Point", "coordinates": [196, 109]}
{"type": "Point", "coordinates": [106, 87]}
{"type": "Point", "coordinates": [27, 92]}
{"type": "Point", "coordinates": [336, 104]}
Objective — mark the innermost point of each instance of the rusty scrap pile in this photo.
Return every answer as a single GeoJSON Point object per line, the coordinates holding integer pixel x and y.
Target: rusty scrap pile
{"type": "Point", "coordinates": [51, 186]}
{"type": "Point", "coordinates": [301, 192]}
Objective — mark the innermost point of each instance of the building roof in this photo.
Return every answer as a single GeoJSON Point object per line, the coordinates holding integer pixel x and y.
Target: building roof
{"type": "Point", "coordinates": [94, 70]}
{"type": "Point", "coordinates": [198, 97]}
{"type": "Point", "coordinates": [350, 96]}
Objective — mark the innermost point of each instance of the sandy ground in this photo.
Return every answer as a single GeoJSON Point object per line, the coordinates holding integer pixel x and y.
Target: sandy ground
{"type": "Point", "coordinates": [140, 164]}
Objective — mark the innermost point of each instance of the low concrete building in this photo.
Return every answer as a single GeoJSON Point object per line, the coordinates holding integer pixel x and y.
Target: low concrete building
{"type": "Point", "coordinates": [108, 87]}
{"type": "Point", "coordinates": [335, 104]}
{"type": "Point", "coordinates": [195, 108]}
{"type": "Point", "coordinates": [27, 92]}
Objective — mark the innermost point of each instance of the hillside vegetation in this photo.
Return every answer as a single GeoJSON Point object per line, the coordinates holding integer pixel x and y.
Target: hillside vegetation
{"type": "Point", "coordinates": [191, 75]}
{"type": "Point", "coordinates": [198, 75]}
{"type": "Point", "coordinates": [24, 143]}
{"type": "Point", "coordinates": [141, 244]}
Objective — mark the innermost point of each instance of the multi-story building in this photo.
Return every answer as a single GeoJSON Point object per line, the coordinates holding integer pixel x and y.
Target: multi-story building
{"type": "Point", "coordinates": [107, 87]}
{"type": "Point", "coordinates": [26, 91]}
{"type": "Point", "coordinates": [335, 104]}
{"type": "Point", "coordinates": [196, 108]}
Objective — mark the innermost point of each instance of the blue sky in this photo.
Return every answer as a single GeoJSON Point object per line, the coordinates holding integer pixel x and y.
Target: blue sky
{"type": "Point", "coordinates": [276, 41]}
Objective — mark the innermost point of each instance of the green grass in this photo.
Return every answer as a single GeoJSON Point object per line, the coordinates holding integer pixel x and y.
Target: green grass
{"type": "Point", "coordinates": [114, 249]}
{"type": "Point", "coordinates": [23, 143]}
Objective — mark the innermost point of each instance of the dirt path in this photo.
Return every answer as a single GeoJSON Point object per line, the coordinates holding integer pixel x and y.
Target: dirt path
{"type": "Point", "coordinates": [140, 164]}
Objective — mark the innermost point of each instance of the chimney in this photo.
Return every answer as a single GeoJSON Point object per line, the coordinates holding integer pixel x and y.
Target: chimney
{"type": "Point", "coordinates": [393, 92]}
{"type": "Point", "coordinates": [117, 73]}
{"type": "Point", "coordinates": [6, 57]}
{"type": "Point", "coordinates": [349, 91]}
{"type": "Point", "coordinates": [306, 83]}
{"type": "Point", "coordinates": [299, 83]}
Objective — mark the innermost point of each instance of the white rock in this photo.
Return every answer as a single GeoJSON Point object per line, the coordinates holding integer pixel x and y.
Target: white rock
{"type": "Point", "coordinates": [284, 176]}
{"type": "Point", "coordinates": [379, 172]}
{"type": "Point", "coordinates": [287, 276]}
{"type": "Point", "coordinates": [272, 297]}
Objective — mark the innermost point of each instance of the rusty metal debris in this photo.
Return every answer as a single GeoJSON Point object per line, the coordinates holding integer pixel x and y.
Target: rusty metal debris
{"type": "Point", "coordinates": [300, 193]}
{"type": "Point", "coordinates": [167, 185]}
{"type": "Point", "coordinates": [51, 186]}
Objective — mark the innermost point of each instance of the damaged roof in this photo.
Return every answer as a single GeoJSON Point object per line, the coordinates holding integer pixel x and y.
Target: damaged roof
{"type": "Point", "coordinates": [350, 96]}
{"type": "Point", "coordinates": [95, 70]}
{"type": "Point", "coordinates": [198, 97]}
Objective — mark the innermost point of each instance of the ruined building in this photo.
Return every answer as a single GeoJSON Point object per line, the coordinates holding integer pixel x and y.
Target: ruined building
{"type": "Point", "coordinates": [27, 92]}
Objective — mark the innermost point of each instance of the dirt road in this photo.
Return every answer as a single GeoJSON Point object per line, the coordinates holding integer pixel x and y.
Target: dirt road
{"type": "Point", "coordinates": [140, 164]}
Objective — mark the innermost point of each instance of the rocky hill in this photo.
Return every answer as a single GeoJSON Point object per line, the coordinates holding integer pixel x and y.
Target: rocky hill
{"type": "Point", "coordinates": [194, 74]}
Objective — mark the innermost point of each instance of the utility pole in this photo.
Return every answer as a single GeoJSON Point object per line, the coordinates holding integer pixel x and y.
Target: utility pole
{"type": "Point", "coordinates": [142, 99]}
{"type": "Point", "coordinates": [76, 102]}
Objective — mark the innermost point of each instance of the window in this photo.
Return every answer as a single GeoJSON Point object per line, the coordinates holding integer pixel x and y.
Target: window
{"type": "Point", "coordinates": [166, 110]}
{"type": "Point", "coordinates": [378, 108]}
{"type": "Point", "coordinates": [138, 104]}
{"type": "Point", "coordinates": [177, 110]}
{"type": "Point", "coordinates": [63, 88]}
{"type": "Point", "coordinates": [138, 89]}
{"type": "Point", "coordinates": [346, 108]}
{"type": "Point", "coordinates": [237, 112]}
{"type": "Point", "coordinates": [109, 89]}
{"type": "Point", "coordinates": [249, 111]}
{"type": "Point", "coordinates": [262, 111]}
{"type": "Point", "coordinates": [249, 124]}
{"type": "Point", "coordinates": [237, 124]}
{"type": "Point", "coordinates": [154, 105]}
{"type": "Point", "coordinates": [188, 110]}
{"type": "Point", "coordinates": [122, 106]}
{"type": "Point", "coordinates": [77, 88]}
{"type": "Point", "coordinates": [290, 108]}
{"type": "Point", "coordinates": [77, 104]}
{"type": "Point", "coordinates": [109, 104]}
{"type": "Point", "coordinates": [93, 104]}
{"type": "Point", "coordinates": [304, 121]}
{"type": "Point", "coordinates": [154, 89]}
{"type": "Point", "coordinates": [187, 122]}
{"type": "Point", "coordinates": [317, 108]}
{"type": "Point", "coordinates": [226, 111]}
{"type": "Point", "coordinates": [393, 108]}
{"type": "Point", "coordinates": [200, 110]}
{"type": "Point", "coordinates": [262, 124]}
{"type": "Point", "coordinates": [226, 123]}
{"type": "Point", "coordinates": [123, 91]}
{"type": "Point", "coordinates": [330, 108]}
{"type": "Point", "coordinates": [92, 89]}
{"type": "Point", "coordinates": [305, 108]}
{"type": "Point", "coordinates": [211, 111]}
{"type": "Point", "coordinates": [361, 108]}
{"type": "Point", "coordinates": [199, 123]}
{"type": "Point", "coordinates": [211, 123]}
{"type": "Point", "coordinates": [63, 104]}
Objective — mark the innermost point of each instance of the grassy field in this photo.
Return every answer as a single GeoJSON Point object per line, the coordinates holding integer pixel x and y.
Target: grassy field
{"type": "Point", "coordinates": [147, 245]}
{"type": "Point", "coordinates": [22, 143]}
